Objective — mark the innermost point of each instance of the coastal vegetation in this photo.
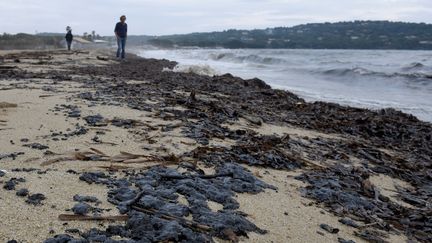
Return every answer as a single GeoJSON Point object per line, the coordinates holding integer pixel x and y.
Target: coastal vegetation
{"type": "Point", "coordinates": [341, 35]}
{"type": "Point", "coordinates": [27, 41]}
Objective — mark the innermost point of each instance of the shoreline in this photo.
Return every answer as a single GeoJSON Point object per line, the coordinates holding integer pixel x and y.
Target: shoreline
{"type": "Point", "coordinates": [89, 110]}
{"type": "Point", "coordinates": [345, 80]}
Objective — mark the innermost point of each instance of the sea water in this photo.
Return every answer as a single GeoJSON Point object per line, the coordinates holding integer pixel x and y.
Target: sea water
{"type": "Point", "coordinates": [372, 79]}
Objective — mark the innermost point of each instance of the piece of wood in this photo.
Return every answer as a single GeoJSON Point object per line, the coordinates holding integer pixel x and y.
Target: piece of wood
{"type": "Point", "coordinates": [74, 217]}
{"type": "Point", "coordinates": [100, 129]}
{"type": "Point", "coordinates": [56, 160]}
{"type": "Point", "coordinates": [133, 155]}
{"type": "Point", "coordinates": [138, 161]}
{"type": "Point", "coordinates": [101, 58]}
{"type": "Point", "coordinates": [98, 151]}
{"type": "Point", "coordinates": [7, 67]}
{"type": "Point", "coordinates": [7, 105]}
{"type": "Point", "coordinates": [189, 144]}
{"type": "Point", "coordinates": [106, 143]}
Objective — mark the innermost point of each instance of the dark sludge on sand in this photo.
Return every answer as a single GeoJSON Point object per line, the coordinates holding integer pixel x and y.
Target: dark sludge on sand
{"type": "Point", "coordinates": [336, 171]}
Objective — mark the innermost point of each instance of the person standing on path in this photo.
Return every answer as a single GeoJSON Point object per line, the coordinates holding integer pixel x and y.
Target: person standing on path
{"type": "Point", "coordinates": [121, 34]}
{"type": "Point", "coordinates": [69, 37]}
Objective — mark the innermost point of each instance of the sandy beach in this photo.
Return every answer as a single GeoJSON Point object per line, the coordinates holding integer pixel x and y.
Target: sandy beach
{"type": "Point", "coordinates": [65, 114]}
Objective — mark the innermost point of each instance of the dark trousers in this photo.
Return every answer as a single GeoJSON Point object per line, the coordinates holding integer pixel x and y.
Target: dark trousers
{"type": "Point", "coordinates": [69, 44]}
{"type": "Point", "coordinates": [121, 43]}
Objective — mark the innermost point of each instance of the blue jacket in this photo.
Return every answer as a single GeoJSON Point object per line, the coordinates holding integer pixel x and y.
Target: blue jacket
{"type": "Point", "coordinates": [121, 29]}
{"type": "Point", "coordinates": [69, 36]}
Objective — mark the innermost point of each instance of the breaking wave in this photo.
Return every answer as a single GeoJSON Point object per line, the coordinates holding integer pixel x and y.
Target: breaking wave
{"type": "Point", "coordinates": [414, 66]}
{"type": "Point", "coordinates": [363, 72]}
{"type": "Point", "coordinates": [197, 69]}
{"type": "Point", "coordinates": [256, 59]}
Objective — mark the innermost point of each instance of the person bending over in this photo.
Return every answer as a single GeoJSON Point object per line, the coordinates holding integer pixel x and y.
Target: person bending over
{"type": "Point", "coordinates": [121, 34]}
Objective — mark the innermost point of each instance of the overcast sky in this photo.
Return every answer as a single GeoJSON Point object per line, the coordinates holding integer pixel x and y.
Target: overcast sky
{"type": "Point", "coordinates": [157, 17]}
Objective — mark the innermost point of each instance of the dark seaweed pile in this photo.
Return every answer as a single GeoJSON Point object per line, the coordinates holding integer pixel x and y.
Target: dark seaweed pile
{"type": "Point", "coordinates": [151, 199]}
{"type": "Point", "coordinates": [265, 151]}
{"type": "Point", "coordinates": [213, 101]}
{"type": "Point", "coordinates": [11, 155]}
{"type": "Point", "coordinates": [386, 128]}
{"type": "Point", "coordinates": [347, 192]}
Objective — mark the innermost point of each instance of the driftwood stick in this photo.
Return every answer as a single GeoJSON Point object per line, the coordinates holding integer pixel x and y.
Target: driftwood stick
{"type": "Point", "coordinates": [98, 152]}
{"type": "Point", "coordinates": [74, 217]}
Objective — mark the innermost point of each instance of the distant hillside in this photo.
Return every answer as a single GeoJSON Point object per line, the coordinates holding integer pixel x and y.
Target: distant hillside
{"type": "Point", "coordinates": [342, 35]}
{"type": "Point", "coordinates": [26, 41]}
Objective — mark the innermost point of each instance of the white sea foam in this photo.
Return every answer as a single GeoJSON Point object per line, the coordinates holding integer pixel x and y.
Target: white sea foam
{"type": "Point", "coordinates": [197, 69]}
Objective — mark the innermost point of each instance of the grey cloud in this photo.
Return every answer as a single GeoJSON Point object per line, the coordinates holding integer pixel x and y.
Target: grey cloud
{"type": "Point", "coordinates": [183, 16]}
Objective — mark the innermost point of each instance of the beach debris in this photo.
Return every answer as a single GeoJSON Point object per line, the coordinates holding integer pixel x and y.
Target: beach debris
{"type": "Point", "coordinates": [349, 222]}
{"type": "Point", "coordinates": [4, 67]}
{"type": "Point", "coordinates": [347, 191]}
{"type": "Point", "coordinates": [102, 58]}
{"type": "Point", "coordinates": [381, 142]}
{"type": "Point", "coordinates": [342, 240]}
{"type": "Point", "coordinates": [22, 192]}
{"type": "Point", "coordinates": [4, 105]}
{"type": "Point", "coordinates": [12, 183]}
{"type": "Point", "coordinates": [150, 199]}
{"type": "Point", "coordinates": [91, 199]}
{"type": "Point", "coordinates": [69, 110]}
{"type": "Point", "coordinates": [37, 146]}
{"type": "Point", "coordinates": [372, 236]}
{"type": "Point", "coordinates": [96, 120]}
{"type": "Point", "coordinates": [267, 151]}
{"type": "Point", "coordinates": [78, 131]}
{"type": "Point", "coordinates": [329, 228]}
{"type": "Point", "coordinates": [35, 199]}
{"type": "Point", "coordinates": [187, 223]}
{"type": "Point", "coordinates": [124, 157]}
{"type": "Point", "coordinates": [74, 217]}
{"type": "Point", "coordinates": [94, 177]}
{"type": "Point", "coordinates": [100, 121]}
{"type": "Point", "coordinates": [11, 155]}
{"type": "Point", "coordinates": [81, 208]}
{"type": "Point", "coordinates": [254, 120]}
{"type": "Point", "coordinates": [125, 123]}
{"type": "Point", "coordinates": [60, 238]}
